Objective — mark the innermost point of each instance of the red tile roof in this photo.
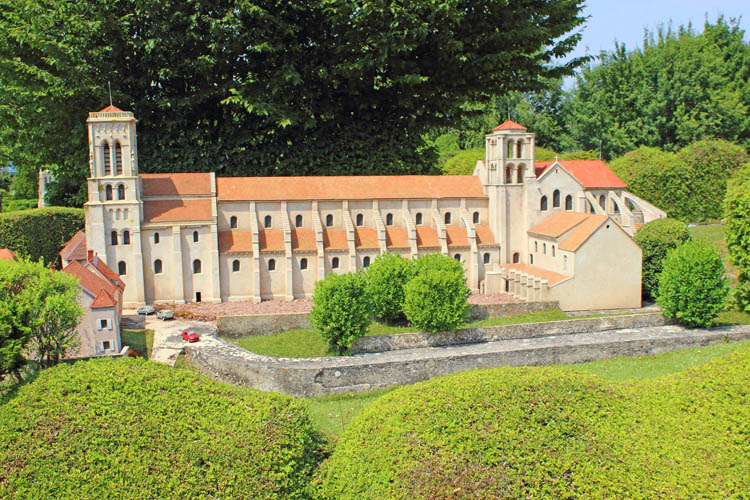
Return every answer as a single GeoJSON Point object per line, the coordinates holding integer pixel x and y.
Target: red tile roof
{"type": "Point", "coordinates": [558, 223]}
{"type": "Point", "coordinates": [457, 236]}
{"type": "Point", "coordinates": [366, 237]}
{"type": "Point", "coordinates": [75, 248]}
{"type": "Point", "coordinates": [349, 187]}
{"type": "Point", "coordinates": [592, 174]}
{"type": "Point", "coordinates": [303, 239]}
{"type": "Point", "coordinates": [88, 280]}
{"type": "Point", "coordinates": [6, 254]}
{"type": "Point", "coordinates": [509, 125]}
{"type": "Point", "coordinates": [537, 272]}
{"type": "Point", "coordinates": [103, 300]}
{"type": "Point", "coordinates": [427, 237]}
{"type": "Point", "coordinates": [484, 235]}
{"type": "Point", "coordinates": [235, 241]}
{"type": "Point", "coordinates": [396, 237]}
{"type": "Point", "coordinates": [110, 109]}
{"type": "Point", "coordinates": [177, 210]}
{"type": "Point", "coordinates": [335, 239]}
{"type": "Point", "coordinates": [582, 232]}
{"type": "Point", "coordinates": [271, 240]}
{"type": "Point", "coordinates": [107, 272]}
{"type": "Point", "coordinates": [176, 184]}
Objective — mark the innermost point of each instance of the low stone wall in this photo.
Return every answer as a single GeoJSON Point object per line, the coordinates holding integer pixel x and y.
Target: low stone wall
{"type": "Point", "coordinates": [264, 324]}
{"type": "Point", "coordinates": [383, 343]}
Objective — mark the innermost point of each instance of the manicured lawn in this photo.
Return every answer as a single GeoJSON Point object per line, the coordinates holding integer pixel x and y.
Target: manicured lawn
{"type": "Point", "coordinates": [141, 341]}
{"type": "Point", "coordinates": [331, 414]}
{"type": "Point", "coordinates": [733, 318]}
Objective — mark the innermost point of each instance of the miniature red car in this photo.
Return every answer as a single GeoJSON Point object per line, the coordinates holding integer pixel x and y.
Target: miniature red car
{"type": "Point", "coordinates": [190, 336]}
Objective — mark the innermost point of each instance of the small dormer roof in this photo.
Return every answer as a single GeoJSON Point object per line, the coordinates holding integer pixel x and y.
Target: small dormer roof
{"type": "Point", "coordinates": [110, 109]}
{"type": "Point", "coordinates": [509, 125]}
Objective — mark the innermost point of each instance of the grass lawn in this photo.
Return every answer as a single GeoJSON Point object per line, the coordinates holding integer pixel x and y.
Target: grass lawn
{"type": "Point", "coordinates": [141, 341]}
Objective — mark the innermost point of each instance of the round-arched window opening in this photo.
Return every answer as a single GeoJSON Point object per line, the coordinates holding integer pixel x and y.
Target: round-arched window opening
{"type": "Point", "coordinates": [272, 265]}
{"type": "Point", "coordinates": [196, 266]}
{"type": "Point", "coordinates": [335, 263]}
{"type": "Point", "coordinates": [366, 262]}
{"type": "Point", "coordinates": [157, 266]}
{"type": "Point", "coordinates": [235, 265]}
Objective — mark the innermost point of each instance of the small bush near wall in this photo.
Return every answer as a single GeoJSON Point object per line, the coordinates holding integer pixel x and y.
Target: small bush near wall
{"type": "Point", "coordinates": [436, 300]}
{"type": "Point", "coordinates": [40, 233]}
{"type": "Point", "coordinates": [692, 286]}
{"type": "Point", "coordinates": [655, 239]}
{"type": "Point", "coordinates": [341, 309]}
{"type": "Point", "coordinates": [385, 280]}
{"type": "Point", "coordinates": [130, 429]}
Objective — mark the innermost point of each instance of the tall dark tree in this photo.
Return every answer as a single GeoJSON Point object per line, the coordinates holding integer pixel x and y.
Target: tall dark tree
{"type": "Point", "coordinates": [266, 87]}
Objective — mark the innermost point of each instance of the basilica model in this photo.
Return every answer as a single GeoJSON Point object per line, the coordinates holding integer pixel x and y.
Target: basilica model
{"type": "Point", "coordinates": [538, 230]}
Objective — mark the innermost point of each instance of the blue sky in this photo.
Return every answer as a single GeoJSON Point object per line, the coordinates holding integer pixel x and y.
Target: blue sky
{"type": "Point", "coordinates": [624, 21]}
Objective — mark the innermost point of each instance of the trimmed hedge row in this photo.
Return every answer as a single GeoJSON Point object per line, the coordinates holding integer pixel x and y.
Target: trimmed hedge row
{"type": "Point", "coordinates": [656, 239]}
{"type": "Point", "coordinates": [40, 233]}
{"type": "Point", "coordinates": [131, 429]}
{"type": "Point", "coordinates": [550, 433]}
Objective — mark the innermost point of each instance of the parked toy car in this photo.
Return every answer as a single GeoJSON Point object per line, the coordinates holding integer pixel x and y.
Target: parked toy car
{"type": "Point", "coordinates": [165, 314]}
{"type": "Point", "coordinates": [146, 310]}
{"type": "Point", "coordinates": [190, 336]}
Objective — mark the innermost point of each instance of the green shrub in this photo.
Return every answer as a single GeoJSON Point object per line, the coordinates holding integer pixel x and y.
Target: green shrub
{"type": "Point", "coordinates": [437, 262]}
{"type": "Point", "coordinates": [385, 280]}
{"type": "Point", "coordinates": [464, 162]}
{"type": "Point", "coordinates": [40, 233]}
{"type": "Point", "coordinates": [737, 231]}
{"type": "Point", "coordinates": [655, 239]}
{"type": "Point", "coordinates": [692, 285]}
{"type": "Point", "coordinates": [341, 309]}
{"type": "Point", "coordinates": [435, 300]}
{"type": "Point", "coordinates": [647, 172]}
{"type": "Point", "coordinates": [550, 433]}
{"type": "Point", "coordinates": [11, 205]}
{"type": "Point", "coordinates": [543, 154]}
{"type": "Point", "coordinates": [133, 429]}
{"type": "Point", "coordinates": [579, 155]}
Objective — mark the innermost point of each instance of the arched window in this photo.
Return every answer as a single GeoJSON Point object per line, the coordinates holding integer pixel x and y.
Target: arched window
{"type": "Point", "coordinates": [487, 258]}
{"type": "Point", "coordinates": [447, 217]}
{"type": "Point", "coordinates": [556, 198]}
{"type": "Point", "coordinates": [267, 221]}
{"type": "Point", "coordinates": [543, 204]}
{"type": "Point", "coordinates": [113, 238]}
{"type": "Point", "coordinates": [475, 218]}
{"type": "Point", "coordinates": [196, 266]}
{"type": "Point", "coordinates": [531, 259]}
{"type": "Point", "coordinates": [360, 220]}
{"type": "Point", "coordinates": [565, 262]}
{"type": "Point", "coordinates": [544, 248]}
{"type": "Point", "coordinates": [303, 264]}
{"type": "Point", "coordinates": [235, 265]}
{"type": "Point", "coordinates": [568, 202]}
{"type": "Point", "coordinates": [389, 219]}
{"type": "Point", "coordinates": [457, 257]}
{"type": "Point", "coordinates": [118, 159]}
{"type": "Point", "coordinates": [126, 237]}
{"type": "Point", "coordinates": [536, 246]}
{"type": "Point", "coordinates": [519, 149]}
{"type": "Point", "coordinates": [516, 258]}
{"type": "Point", "coordinates": [519, 179]}
{"type": "Point", "coordinates": [195, 236]}
{"type": "Point", "coordinates": [107, 159]}
{"type": "Point", "coordinates": [157, 266]}
{"type": "Point", "coordinates": [366, 262]}
{"type": "Point", "coordinates": [335, 263]}
{"type": "Point", "coordinates": [121, 192]}
{"type": "Point", "coordinates": [419, 219]}
{"type": "Point", "coordinates": [298, 221]}
{"type": "Point", "coordinates": [156, 238]}
{"type": "Point", "coordinates": [271, 264]}
{"type": "Point", "coordinates": [510, 149]}
{"type": "Point", "coordinates": [615, 207]}
{"type": "Point", "coordinates": [602, 202]}
{"type": "Point", "coordinates": [329, 220]}
{"type": "Point", "coordinates": [233, 222]}
{"type": "Point", "coordinates": [553, 250]}
{"type": "Point", "coordinates": [122, 268]}
{"type": "Point", "coordinates": [118, 214]}
{"type": "Point", "coordinates": [124, 213]}
{"type": "Point", "coordinates": [108, 193]}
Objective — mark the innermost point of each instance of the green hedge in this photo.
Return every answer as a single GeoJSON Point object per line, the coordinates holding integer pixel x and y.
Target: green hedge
{"type": "Point", "coordinates": [737, 210]}
{"type": "Point", "coordinates": [655, 239]}
{"type": "Point", "coordinates": [40, 233]}
{"type": "Point", "coordinates": [550, 433]}
{"type": "Point", "coordinates": [11, 205]}
{"type": "Point", "coordinates": [130, 429]}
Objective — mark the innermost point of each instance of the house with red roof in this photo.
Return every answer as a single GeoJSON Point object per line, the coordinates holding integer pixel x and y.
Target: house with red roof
{"type": "Point", "coordinates": [192, 237]}
{"type": "Point", "coordinates": [6, 254]}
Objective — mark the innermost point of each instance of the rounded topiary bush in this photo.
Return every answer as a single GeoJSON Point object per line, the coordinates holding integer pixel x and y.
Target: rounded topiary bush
{"type": "Point", "coordinates": [655, 239]}
{"type": "Point", "coordinates": [692, 285]}
{"type": "Point", "coordinates": [341, 309]}
{"type": "Point", "coordinates": [435, 300]}
{"type": "Point", "coordinates": [128, 429]}
{"type": "Point", "coordinates": [437, 262]}
{"type": "Point", "coordinates": [385, 280]}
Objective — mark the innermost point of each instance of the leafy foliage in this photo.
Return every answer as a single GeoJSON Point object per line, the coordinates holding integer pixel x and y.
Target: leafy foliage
{"type": "Point", "coordinates": [40, 233]}
{"type": "Point", "coordinates": [692, 285]}
{"type": "Point", "coordinates": [115, 422]}
{"type": "Point", "coordinates": [464, 162]}
{"type": "Point", "coordinates": [737, 209]}
{"type": "Point", "coordinates": [341, 309]}
{"type": "Point", "coordinates": [549, 433]}
{"type": "Point", "coordinates": [384, 282]}
{"type": "Point", "coordinates": [655, 239]}
{"type": "Point", "coordinates": [648, 172]}
{"type": "Point", "coordinates": [437, 262]}
{"type": "Point", "coordinates": [12, 205]}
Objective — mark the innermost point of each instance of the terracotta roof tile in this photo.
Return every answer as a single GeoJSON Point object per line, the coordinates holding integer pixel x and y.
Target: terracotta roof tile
{"type": "Point", "coordinates": [6, 254]}
{"type": "Point", "coordinates": [582, 232]}
{"type": "Point", "coordinates": [108, 273]}
{"type": "Point", "coordinates": [271, 240]}
{"type": "Point", "coordinates": [509, 125]}
{"type": "Point", "coordinates": [558, 223]}
{"type": "Point", "coordinates": [396, 237]}
{"type": "Point", "coordinates": [75, 248]}
{"type": "Point", "coordinates": [349, 187]}
{"type": "Point", "coordinates": [484, 236]}
{"type": "Point", "coordinates": [89, 280]}
{"type": "Point", "coordinates": [176, 184]}
{"type": "Point", "coordinates": [177, 210]}
{"type": "Point", "coordinates": [457, 236]}
{"type": "Point", "coordinates": [335, 239]}
{"type": "Point", "coordinates": [103, 300]}
{"type": "Point", "coordinates": [592, 174]}
{"type": "Point", "coordinates": [427, 237]}
{"type": "Point", "coordinates": [235, 241]}
{"type": "Point", "coordinates": [537, 272]}
{"type": "Point", "coordinates": [303, 239]}
{"type": "Point", "coordinates": [110, 109]}
{"type": "Point", "coordinates": [366, 237]}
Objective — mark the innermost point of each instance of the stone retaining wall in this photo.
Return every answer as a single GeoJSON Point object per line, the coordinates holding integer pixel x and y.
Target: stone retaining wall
{"type": "Point", "coordinates": [264, 324]}
{"type": "Point", "coordinates": [383, 343]}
